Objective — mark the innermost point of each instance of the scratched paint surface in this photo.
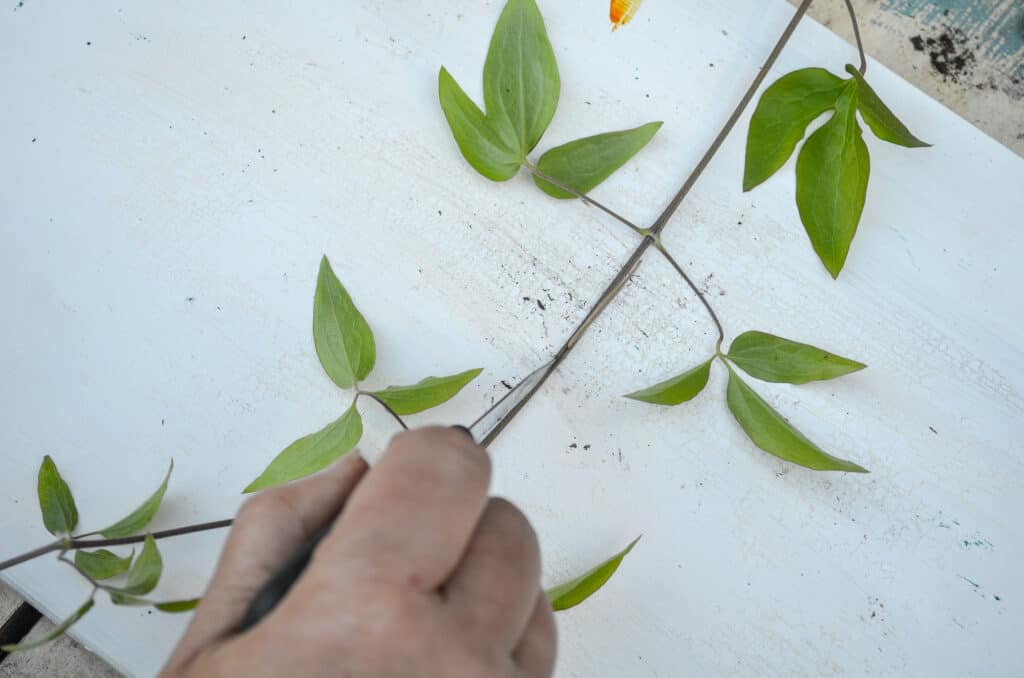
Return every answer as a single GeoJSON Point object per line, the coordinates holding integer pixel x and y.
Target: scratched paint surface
{"type": "Point", "coordinates": [173, 171]}
{"type": "Point", "coordinates": [998, 24]}
{"type": "Point", "coordinates": [967, 54]}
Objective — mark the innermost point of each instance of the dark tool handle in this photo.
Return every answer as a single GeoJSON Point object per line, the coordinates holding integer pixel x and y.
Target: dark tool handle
{"type": "Point", "coordinates": [281, 582]}
{"type": "Point", "coordinates": [277, 586]}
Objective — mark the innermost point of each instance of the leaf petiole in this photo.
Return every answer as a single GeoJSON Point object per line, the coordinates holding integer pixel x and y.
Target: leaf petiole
{"type": "Point", "coordinates": [373, 397]}
{"type": "Point", "coordinates": [643, 232]}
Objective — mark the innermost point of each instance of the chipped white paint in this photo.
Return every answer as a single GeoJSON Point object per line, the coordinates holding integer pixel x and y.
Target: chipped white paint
{"type": "Point", "coordinates": [987, 89]}
{"type": "Point", "coordinates": [161, 238]}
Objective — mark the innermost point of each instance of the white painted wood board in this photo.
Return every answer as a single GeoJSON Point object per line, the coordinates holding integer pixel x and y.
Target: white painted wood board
{"type": "Point", "coordinates": [160, 242]}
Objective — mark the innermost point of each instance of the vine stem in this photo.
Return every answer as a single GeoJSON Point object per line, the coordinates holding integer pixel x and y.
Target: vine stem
{"type": "Point", "coordinates": [651, 236]}
{"type": "Point", "coordinates": [63, 545]}
{"type": "Point", "coordinates": [700, 295]}
{"type": "Point", "coordinates": [387, 407]}
{"type": "Point", "coordinates": [79, 543]}
{"type": "Point", "coordinates": [34, 553]}
{"type": "Point", "coordinates": [856, 34]}
{"type": "Point", "coordinates": [64, 559]}
{"type": "Point", "coordinates": [586, 198]}
{"type": "Point", "coordinates": [643, 232]}
{"type": "Point", "coordinates": [138, 539]}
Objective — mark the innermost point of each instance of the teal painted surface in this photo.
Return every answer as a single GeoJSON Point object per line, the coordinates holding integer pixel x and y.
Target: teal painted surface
{"type": "Point", "coordinates": [997, 25]}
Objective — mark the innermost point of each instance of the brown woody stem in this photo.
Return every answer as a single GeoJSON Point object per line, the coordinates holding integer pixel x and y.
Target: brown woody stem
{"type": "Point", "coordinates": [651, 235]}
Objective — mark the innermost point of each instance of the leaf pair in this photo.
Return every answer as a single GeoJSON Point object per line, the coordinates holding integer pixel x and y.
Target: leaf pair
{"type": "Point", "coordinates": [60, 514]}
{"type": "Point", "coordinates": [521, 87]}
{"type": "Point", "coordinates": [833, 166]}
{"type": "Point", "coordinates": [345, 346]}
{"type": "Point", "coordinates": [60, 517]}
{"type": "Point", "coordinates": [521, 90]}
{"type": "Point", "coordinates": [143, 576]}
{"type": "Point", "coordinates": [769, 358]}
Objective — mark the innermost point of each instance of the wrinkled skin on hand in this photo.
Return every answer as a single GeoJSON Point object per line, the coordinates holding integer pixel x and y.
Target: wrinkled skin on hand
{"type": "Point", "coordinates": [422, 575]}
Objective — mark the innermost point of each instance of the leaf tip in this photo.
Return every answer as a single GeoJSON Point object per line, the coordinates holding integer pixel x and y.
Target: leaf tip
{"type": "Point", "coordinates": [250, 488]}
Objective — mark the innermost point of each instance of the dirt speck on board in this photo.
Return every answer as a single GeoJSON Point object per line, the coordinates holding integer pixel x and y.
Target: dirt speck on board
{"type": "Point", "coordinates": [948, 52]}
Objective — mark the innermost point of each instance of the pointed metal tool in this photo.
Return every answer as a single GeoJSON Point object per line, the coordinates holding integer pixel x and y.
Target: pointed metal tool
{"type": "Point", "coordinates": [487, 427]}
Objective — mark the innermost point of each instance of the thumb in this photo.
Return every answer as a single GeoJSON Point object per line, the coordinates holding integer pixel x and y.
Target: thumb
{"type": "Point", "coordinates": [269, 528]}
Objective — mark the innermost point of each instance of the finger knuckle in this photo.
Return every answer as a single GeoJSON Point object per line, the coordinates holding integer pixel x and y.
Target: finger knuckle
{"type": "Point", "coordinates": [513, 525]}
{"type": "Point", "coordinates": [451, 452]}
{"type": "Point", "coordinates": [258, 506]}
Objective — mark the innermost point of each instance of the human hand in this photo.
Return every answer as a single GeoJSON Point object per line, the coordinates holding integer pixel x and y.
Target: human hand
{"type": "Point", "coordinates": [421, 575]}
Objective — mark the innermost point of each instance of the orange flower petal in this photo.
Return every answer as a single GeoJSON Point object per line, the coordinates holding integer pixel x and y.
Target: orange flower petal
{"type": "Point", "coordinates": [622, 11]}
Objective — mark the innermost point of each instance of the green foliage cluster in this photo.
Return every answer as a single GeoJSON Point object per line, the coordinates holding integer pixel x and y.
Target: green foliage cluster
{"type": "Point", "coordinates": [833, 166]}
{"type": "Point", "coordinates": [521, 87]}
{"type": "Point", "coordinates": [344, 343]}
{"type": "Point", "coordinates": [136, 576]}
{"type": "Point", "coordinates": [768, 358]}
{"type": "Point", "coordinates": [521, 90]}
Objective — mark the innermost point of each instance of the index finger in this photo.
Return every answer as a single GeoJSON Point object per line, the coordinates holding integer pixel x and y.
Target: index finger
{"type": "Point", "coordinates": [410, 519]}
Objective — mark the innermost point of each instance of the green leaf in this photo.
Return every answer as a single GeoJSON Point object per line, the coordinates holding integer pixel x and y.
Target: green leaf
{"type": "Point", "coordinates": [481, 144]}
{"type": "Point", "coordinates": [60, 515]}
{"type": "Point", "coordinates": [52, 635]}
{"type": "Point", "coordinates": [343, 340]}
{"type": "Point", "coordinates": [521, 83]}
{"type": "Point", "coordinates": [832, 181]}
{"type": "Point", "coordinates": [677, 389]}
{"type": "Point", "coordinates": [572, 593]}
{"type": "Point", "coordinates": [102, 564]}
{"type": "Point", "coordinates": [773, 434]}
{"type": "Point", "coordinates": [138, 519]}
{"type": "Point", "coordinates": [171, 606]}
{"type": "Point", "coordinates": [882, 121]}
{"type": "Point", "coordinates": [781, 118]}
{"type": "Point", "coordinates": [312, 453]}
{"type": "Point", "coordinates": [585, 163]}
{"type": "Point", "coordinates": [175, 606]}
{"type": "Point", "coordinates": [118, 598]}
{"type": "Point", "coordinates": [772, 358]}
{"type": "Point", "coordinates": [145, 572]}
{"type": "Point", "coordinates": [425, 394]}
